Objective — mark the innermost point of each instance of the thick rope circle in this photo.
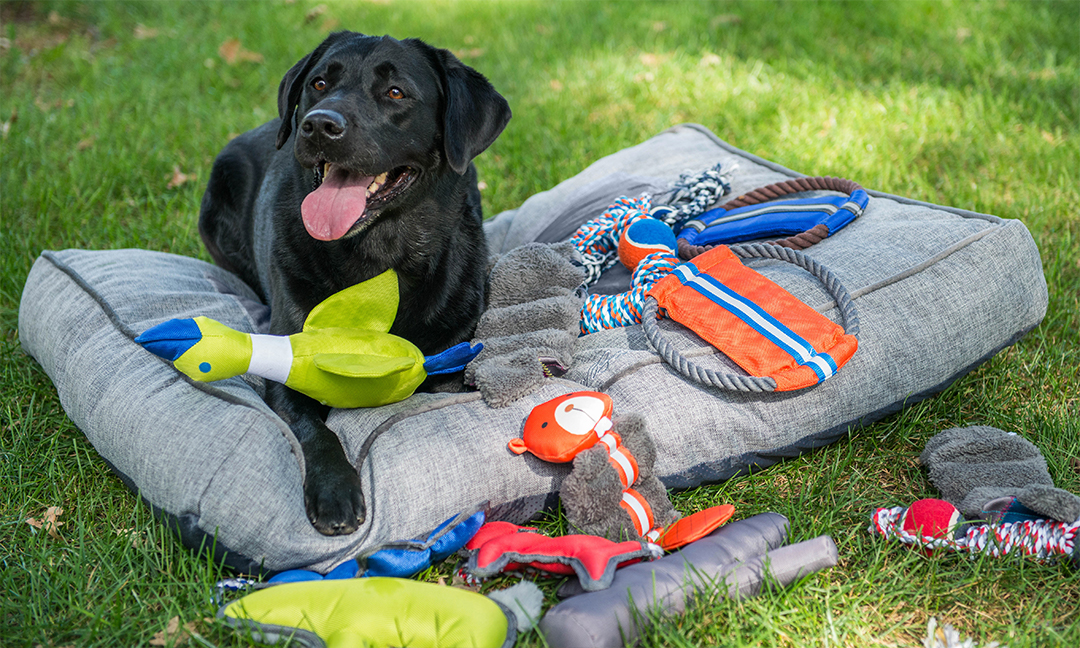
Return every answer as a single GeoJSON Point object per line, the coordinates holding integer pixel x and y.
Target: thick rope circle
{"type": "Point", "coordinates": [736, 382]}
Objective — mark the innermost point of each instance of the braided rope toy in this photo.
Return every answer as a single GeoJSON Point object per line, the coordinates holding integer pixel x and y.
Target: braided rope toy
{"type": "Point", "coordinates": [598, 243]}
{"type": "Point", "coordinates": [1044, 540]}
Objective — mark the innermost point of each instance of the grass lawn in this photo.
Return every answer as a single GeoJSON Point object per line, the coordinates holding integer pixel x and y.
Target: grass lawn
{"type": "Point", "coordinates": [111, 114]}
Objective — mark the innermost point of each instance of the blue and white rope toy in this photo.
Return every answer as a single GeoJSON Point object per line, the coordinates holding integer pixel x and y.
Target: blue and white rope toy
{"type": "Point", "coordinates": [598, 243]}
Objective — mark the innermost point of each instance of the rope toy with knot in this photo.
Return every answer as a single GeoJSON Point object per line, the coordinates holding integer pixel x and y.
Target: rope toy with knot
{"type": "Point", "coordinates": [642, 236]}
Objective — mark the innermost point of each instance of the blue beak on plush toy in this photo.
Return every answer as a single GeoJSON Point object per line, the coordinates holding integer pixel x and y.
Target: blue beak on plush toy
{"type": "Point", "coordinates": [171, 339]}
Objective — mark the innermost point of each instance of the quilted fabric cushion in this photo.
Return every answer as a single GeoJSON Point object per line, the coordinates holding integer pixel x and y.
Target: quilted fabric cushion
{"type": "Point", "coordinates": [938, 291]}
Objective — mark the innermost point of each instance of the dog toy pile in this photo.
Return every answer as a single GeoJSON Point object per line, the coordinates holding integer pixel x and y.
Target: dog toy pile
{"type": "Point", "coordinates": [598, 239]}
{"type": "Point", "coordinates": [997, 498]}
{"type": "Point", "coordinates": [645, 245]}
{"type": "Point", "coordinates": [780, 341]}
{"type": "Point", "coordinates": [643, 236]}
{"type": "Point", "coordinates": [343, 357]}
{"type": "Point", "coordinates": [611, 490]}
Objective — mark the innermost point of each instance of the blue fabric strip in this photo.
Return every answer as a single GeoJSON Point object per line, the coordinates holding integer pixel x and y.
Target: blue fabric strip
{"type": "Point", "coordinates": [774, 219]}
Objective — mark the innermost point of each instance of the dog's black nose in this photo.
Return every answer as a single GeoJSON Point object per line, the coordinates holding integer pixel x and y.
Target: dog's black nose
{"type": "Point", "coordinates": [323, 122]}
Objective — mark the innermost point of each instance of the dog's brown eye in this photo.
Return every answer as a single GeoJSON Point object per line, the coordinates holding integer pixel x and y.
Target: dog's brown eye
{"type": "Point", "coordinates": [319, 84]}
{"type": "Point", "coordinates": [395, 93]}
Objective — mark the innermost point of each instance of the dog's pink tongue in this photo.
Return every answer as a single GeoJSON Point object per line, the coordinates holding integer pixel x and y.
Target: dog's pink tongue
{"type": "Point", "coordinates": [332, 209]}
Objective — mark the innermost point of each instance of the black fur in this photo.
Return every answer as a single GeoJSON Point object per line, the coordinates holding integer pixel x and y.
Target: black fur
{"type": "Point", "coordinates": [386, 105]}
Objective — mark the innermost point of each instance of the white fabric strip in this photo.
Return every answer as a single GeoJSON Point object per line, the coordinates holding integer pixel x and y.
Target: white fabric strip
{"type": "Point", "coordinates": [603, 425]}
{"type": "Point", "coordinates": [636, 509]}
{"type": "Point", "coordinates": [628, 468]}
{"type": "Point", "coordinates": [271, 357]}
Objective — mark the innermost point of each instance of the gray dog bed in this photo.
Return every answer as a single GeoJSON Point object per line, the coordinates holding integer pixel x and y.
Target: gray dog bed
{"type": "Point", "coordinates": [938, 291]}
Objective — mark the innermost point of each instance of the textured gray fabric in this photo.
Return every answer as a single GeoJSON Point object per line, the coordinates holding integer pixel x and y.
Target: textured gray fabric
{"type": "Point", "coordinates": [532, 317]}
{"type": "Point", "coordinates": [974, 465]}
{"type": "Point", "coordinates": [938, 291]}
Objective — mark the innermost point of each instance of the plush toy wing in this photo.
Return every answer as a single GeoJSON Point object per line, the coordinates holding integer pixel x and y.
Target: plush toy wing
{"type": "Point", "coordinates": [360, 365]}
{"type": "Point", "coordinates": [370, 304]}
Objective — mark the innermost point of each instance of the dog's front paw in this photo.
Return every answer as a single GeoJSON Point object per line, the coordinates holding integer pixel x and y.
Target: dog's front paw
{"type": "Point", "coordinates": [334, 501]}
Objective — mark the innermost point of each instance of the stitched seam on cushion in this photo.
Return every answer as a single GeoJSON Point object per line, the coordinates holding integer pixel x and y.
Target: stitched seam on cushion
{"type": "Point", "coordinates": [915, 269]}
{"type": "Point", "coordinates": [365, 449]}
{"type": "Point", "coordinates": [368, 471]}
{"type": "Point", "coordinates": [51, 257]}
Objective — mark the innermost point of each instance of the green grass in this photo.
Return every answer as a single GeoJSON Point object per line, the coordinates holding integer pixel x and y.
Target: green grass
{"type": "Point", "coordinates": [972, 104]}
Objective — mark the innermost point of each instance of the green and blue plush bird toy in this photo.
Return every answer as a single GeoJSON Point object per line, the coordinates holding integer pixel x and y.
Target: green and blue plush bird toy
{"type": "Point", "coordinates": [343, 357]}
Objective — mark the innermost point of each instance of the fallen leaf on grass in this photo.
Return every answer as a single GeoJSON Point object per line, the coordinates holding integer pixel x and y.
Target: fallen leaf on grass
{"type": "Point", "coordinates": [315, 13]}
{"type": "Point", "coordinates": [725, 19]}
{"type": "Point", "coordinates": [136, 537]}
{"type": "Point", "coordinates": [5, 128]}
{"type": "Point", "coordinates": [142, 32]}
{"type": "Point", "coordinates": [649, 59]}
{"type": "Point", "coordinates": [232, 52]}
{"type": "Point", "coordinates": [475, 52]}
{"type": "Point", "coordinates": [85, 143]}
{"type": "Point", "coordinates": [45, 106]}
{"type": "Point", "coordinates": [179, 178]}
{"type": "Point", "coordinates": [48, 522]}
{"type": "Point", "coordinates": [173, 633]}
{"type": "Point", "coordinates": [709, 60]}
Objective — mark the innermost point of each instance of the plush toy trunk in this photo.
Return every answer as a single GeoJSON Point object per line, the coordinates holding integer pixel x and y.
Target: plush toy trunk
{"type": "Point", "coordinates": [938, 291]}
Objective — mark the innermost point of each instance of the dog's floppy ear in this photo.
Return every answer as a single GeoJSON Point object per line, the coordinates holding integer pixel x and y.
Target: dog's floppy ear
{"type": "Point", "coordinates": [475, 112]}
{"type": "Point", "coordinates": [292, 85]}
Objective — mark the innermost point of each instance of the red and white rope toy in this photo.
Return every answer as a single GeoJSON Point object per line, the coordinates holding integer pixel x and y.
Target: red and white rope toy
{"type": "Point", "coordinates": [1044, 540]}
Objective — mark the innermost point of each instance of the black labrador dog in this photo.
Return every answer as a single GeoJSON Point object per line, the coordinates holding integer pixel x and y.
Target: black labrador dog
{"type": "Point", "coordinates": [368, 167]}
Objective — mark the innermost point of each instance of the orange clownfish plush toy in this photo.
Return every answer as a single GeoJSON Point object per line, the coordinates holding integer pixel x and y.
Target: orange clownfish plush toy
{"type": "Point", "coordinates": [611, 490]}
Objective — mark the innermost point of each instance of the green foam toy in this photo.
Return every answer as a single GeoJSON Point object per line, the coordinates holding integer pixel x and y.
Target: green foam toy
{"type": "Point", "coordinates": [372, 612]}
{"type": "Point", "coordinates": [343, 357]}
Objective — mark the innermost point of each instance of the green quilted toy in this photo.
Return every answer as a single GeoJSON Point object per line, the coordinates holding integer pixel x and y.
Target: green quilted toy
{"type": "Point", "coordinates": [343, 357]}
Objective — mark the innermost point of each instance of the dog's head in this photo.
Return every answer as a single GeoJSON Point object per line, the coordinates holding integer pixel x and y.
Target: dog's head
{"type": "Point", "coordinates": [372, 116]}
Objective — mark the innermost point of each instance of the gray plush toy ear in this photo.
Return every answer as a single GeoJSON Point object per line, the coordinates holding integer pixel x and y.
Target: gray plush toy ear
{"type": "Point", "coordinates": [531, 323]}
{"type": "Point", "coordinates": [976, 465]}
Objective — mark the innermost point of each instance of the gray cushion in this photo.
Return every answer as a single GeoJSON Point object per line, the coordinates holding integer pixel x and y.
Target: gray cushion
{"type": "Point", "coordinates": [938, 291]}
